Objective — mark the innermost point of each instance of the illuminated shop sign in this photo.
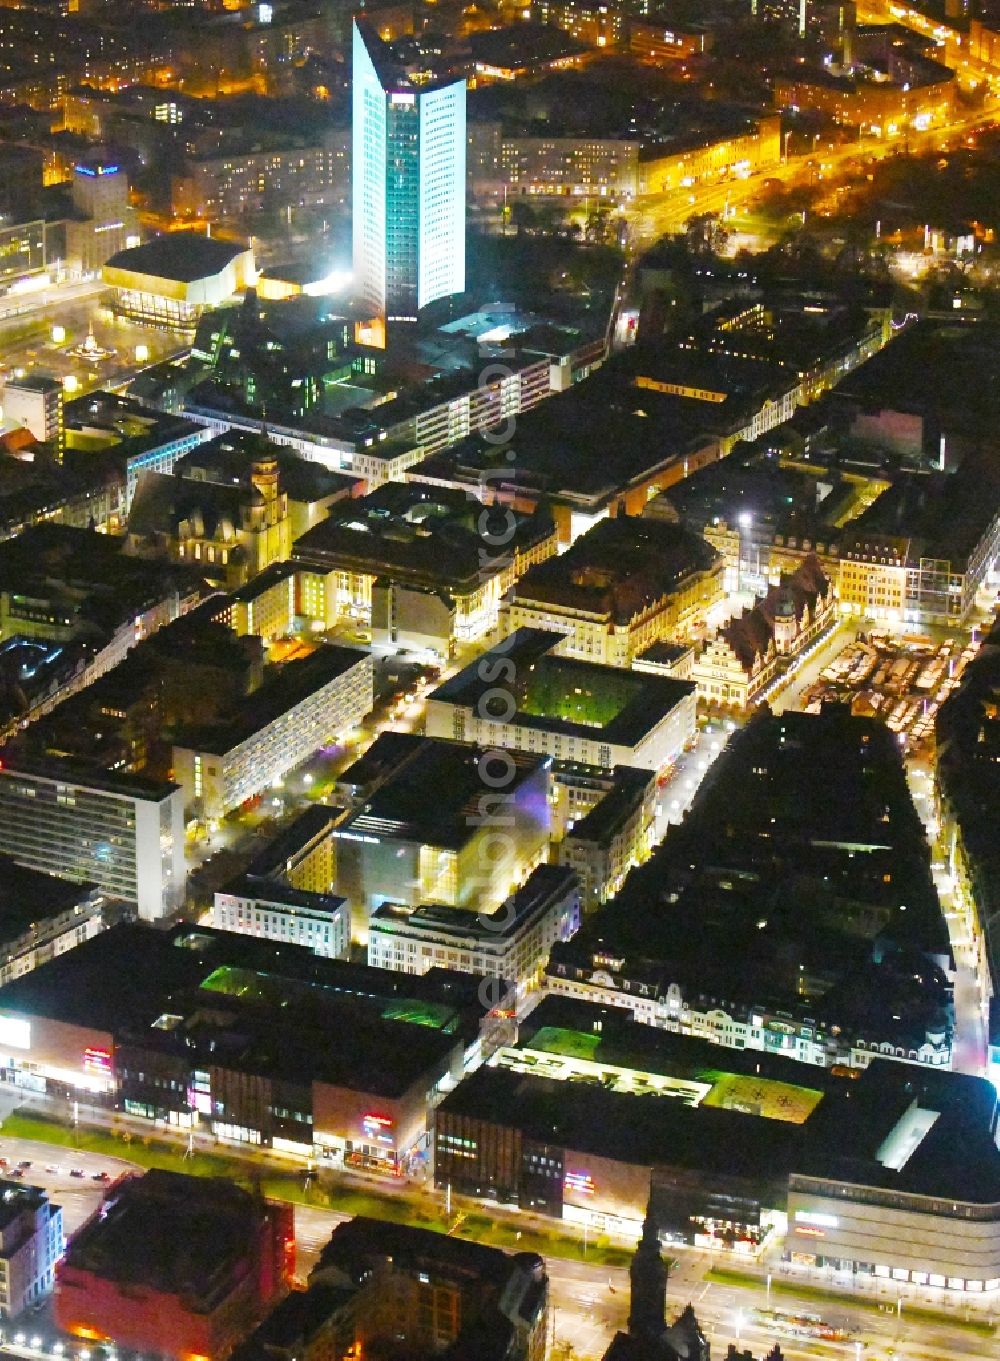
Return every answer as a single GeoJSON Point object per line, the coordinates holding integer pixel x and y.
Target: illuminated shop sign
{"type": "Point", "coordinates": [581, 1182]}
{"type": "Point", "coordinates": [96, 1061]}
{"type": "Point", "coordinates": [375, 1127]}
{"type": "Point", "coordinates": [821, 1220]}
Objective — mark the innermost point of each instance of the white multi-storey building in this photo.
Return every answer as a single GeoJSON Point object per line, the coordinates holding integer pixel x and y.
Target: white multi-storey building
{"type": "Point", "coordinates": [123, 833]}
{"type": "Point", "coordinates": [42, 916]}
{"type": "Point", "coordinates": [309, 703]}
{"type": "Point", "coordinates": [408, 183]}
{"type": "Point", "coordinates": [276, 911]}
{"type": "Point", "coordinates": [511, 943]}
{"type": "Point", "coordinates": [31, 1243]}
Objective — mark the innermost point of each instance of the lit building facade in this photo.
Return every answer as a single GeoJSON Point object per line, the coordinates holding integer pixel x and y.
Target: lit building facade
{"type": "Point", "coordinates": [656, 1001]}
{"type": "Point", "coordinates": [36, 402]}
{"type": "Point", "coordinates": [511, 943]}
{"type": "Point", "coordinates": [171, 280]}
{"type": "Point", "coordinates": [749, 652]}
{"type": "Point", "coordinates": [282, 725]}
{"type": "Point", "coordinates": [880, 106]}
{"type": "Point", "coordinates": [746, 151]}
{"type": "Point", "coordinates": [31, 1243]}
{"type": "Point", "coordinates": [614, 836]}
{"type": "Point", "coordinates": [100, 191]}
{"type": "Point", "coordinates": [411, 839]}
{"type": "Point", "coordinates": [576, 167]}
{"type": "Point", "coordinates": [408, 184]}
{"type": "Point", "coordinates": [123, 833]}
{"type": "Point", "coordinates": [232, 185]}
{"type": "Point", "coordinates": [568, 709]}
{"type": "Point", "coordinates": [276, 911]}
{"type": "Point", "coordinates": [624, 585]}
{"type": "Point", "coordinates": [926, 549]}
{"type": "Point", "coordinates": [42, 917]}
{"type": "Point", "coordinates": [285, 893]}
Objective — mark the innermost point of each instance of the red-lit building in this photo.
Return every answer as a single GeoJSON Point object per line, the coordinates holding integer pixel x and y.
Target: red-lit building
{"type": "Point", "coordinates": [175, 1265]}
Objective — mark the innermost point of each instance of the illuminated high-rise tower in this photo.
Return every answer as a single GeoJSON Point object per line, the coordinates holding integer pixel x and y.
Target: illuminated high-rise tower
{"type": "Point", "coordinates": [408, 183]}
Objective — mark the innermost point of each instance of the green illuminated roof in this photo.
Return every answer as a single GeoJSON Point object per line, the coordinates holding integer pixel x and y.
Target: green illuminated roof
{"type": "Point", "coordinates": [574, 1044]}
{"type": "Point", "coordinates": [770, 1099]}
{"type": "Point", "coordinates": [432, 1014]}
{"type": "Point", "coordinates": [750, 1093]}
{"type": "Point", "coordinates": [234, 981]}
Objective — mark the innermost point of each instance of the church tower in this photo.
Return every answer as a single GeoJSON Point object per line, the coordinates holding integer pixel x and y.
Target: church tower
{"type": "Point", "coordinates": [647, 1317]}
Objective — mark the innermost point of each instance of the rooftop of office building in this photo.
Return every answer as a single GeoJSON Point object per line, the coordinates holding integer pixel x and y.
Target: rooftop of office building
{"type": "Point", "coordinates": [553, 451]}
{"type": "Point", "coordinates": [576, 1041]}
{"type": "Point", "coordinates": [750, 490]}
{"type": "Point", "coordinates": [918, 371]}
{"type": "Point", "coordinates": [619, 568]}
{"type": "Point", "coordinates": [109, 418]}
{"type": "Point", "coordinates": [346, 1284]}
{"type": "Point", "coordinates": [938, 515]}
{"type": "Point", "coordinates": [424, 535]}
{"type": "Point", "coordinates": [907, 1128]}
{"type": "Point", "coordinates": [56, 771]}
{"type": "Point", "coordinates": [28, 897]}
{"type": "Point", "coordinates": [89, 573]}
{"type": "Point", "coordinates": [627, 794]}
{"type": "Point", "coordinates": [356, 1244]}
{"type": "Point", "coordinates": [390, 70]}
{"type": "Point", "coordinates": [181, 257]}
{"type": "Point", "coordinates": [563, 695]}
{"type": "Point", "coordinates": [285, 687]}
{"type": "Point", "coordinates": [545, 885]}
{"type": "Point", "coordinates": [894, 1127]}
{"type": "Point", "coordinates": [230, 457]}
{"type": "Point", "coordinates": [15, 1198]}
{"type": "Point", "coordinates": [428, 790]}
{"type": "Point", "coordinates": [274, 859]}
{"type": "Point", "coordinates": [590, 1118]}
{"type": "Point", "coordinates": [277, 890]}
{"type": "Point", "coordinates": [171, 1233]}
{"type": "Point", "coordinates": [271, 1005]}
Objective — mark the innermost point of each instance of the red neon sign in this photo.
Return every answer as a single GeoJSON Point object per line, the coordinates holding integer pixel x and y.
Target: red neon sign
{"type": "Point", "coordinates": [378, 1121]}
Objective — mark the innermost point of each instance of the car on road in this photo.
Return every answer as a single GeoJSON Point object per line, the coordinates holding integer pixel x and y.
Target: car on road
{"type": "Point", "coordinates": [17, 1171]}
{"type": "Point", "coordinates": [25, 1163]}
{"type": "Point", "coordinates": [77, 1172]}
{"type": "Point", "coordinates": [101, 1176]}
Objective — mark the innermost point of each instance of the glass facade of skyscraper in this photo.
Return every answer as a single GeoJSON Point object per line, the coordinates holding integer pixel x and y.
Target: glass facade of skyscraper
{"type": "Point", "coordinates": [408, 184]}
